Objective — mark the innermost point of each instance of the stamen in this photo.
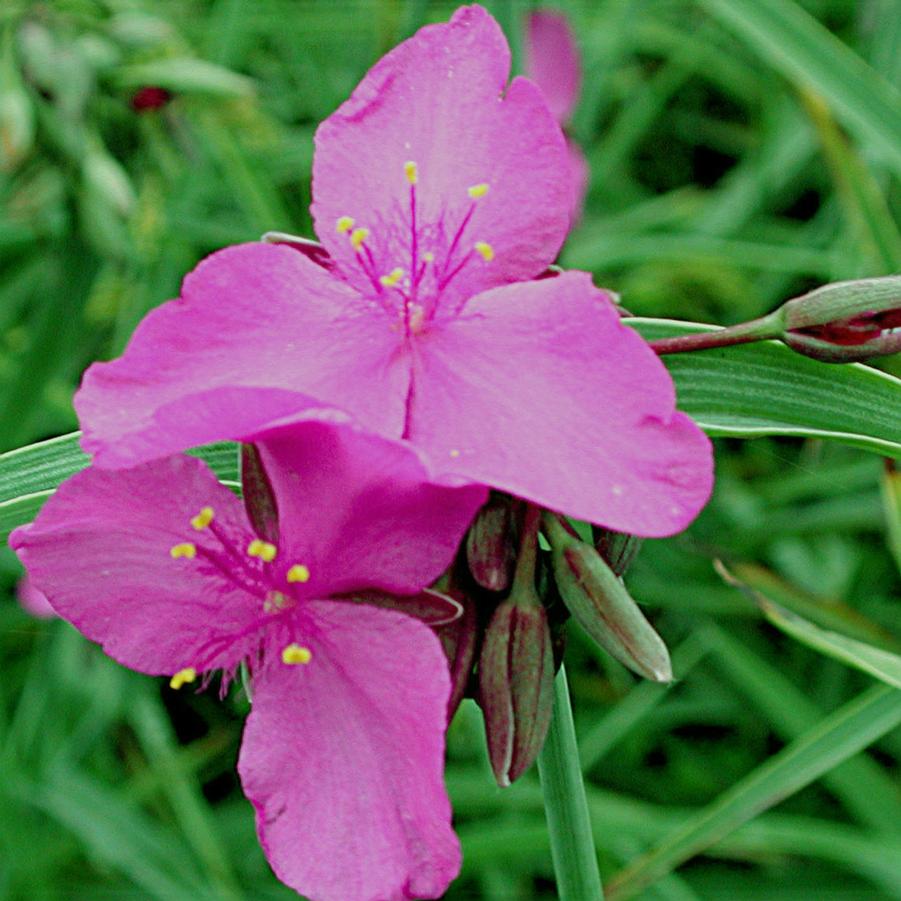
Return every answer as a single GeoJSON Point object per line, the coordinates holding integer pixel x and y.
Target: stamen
{"type": "Point", "coordinates": [484, 250]}
{"type": "Point", "coordinates": [454, 453]}
{"type": "Point", "coordinates": [429, 257]}
{"type": "Point", "coordinates": [203, 518]}
{"type": "Point", "coordinates": [262, 549]}
{"type": "Point", "coordinates": [357, 237]}
{"type": "Point", "coordinates": [295, 653]}
{"type": "Point", "coordinates": [393, 277]}
{"type": "Point", "coordinates": [298, 573]}
{"type": "Point", "coordinates": [344, 224]}
{"type": "Point", "coordinates": [183, 677]}
{"type": "Point", "coordinates": [411, 170]}
{"type": "Point", "coordinates": [477, 191]}
{"type": "Point", "coordinates": [186, 550]}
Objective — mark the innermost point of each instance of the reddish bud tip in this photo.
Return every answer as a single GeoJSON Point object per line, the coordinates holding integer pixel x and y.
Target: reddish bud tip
{"type": "Point", "coordinates": [150, 98]}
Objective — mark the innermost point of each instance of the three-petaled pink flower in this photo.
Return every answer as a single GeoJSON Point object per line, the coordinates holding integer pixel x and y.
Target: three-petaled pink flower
{"type": "Point", "coordinates": [342, 754]}
{"type": "Point", "coordinates": [439, 192]}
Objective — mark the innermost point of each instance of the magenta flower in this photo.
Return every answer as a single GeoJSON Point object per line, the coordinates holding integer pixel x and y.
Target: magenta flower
{"type": "Point", "coordinates": [33, 601]}
{"type": "Point", "coordinates": [438, 190]}
{"type": "Point", "coordinates": [552, 61]}
{"type": "Point", "coordinates": [343, 751]}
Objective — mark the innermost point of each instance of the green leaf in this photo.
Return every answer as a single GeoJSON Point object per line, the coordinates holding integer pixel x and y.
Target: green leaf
{"type": "Point", "coordinates": [766, 389]}
{"type": "Point", "coordinates": [836, 738]}
{"type": "Point", "coordinates": [187, 76]}
{"type": "Point", "coordinates": [809, 55]}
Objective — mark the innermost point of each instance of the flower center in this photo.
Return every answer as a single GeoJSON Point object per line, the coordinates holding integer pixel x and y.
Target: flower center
{"type": "Point", "coordinates": [414, 262]}
{"type": "Point", "coordinates": [255, 570]}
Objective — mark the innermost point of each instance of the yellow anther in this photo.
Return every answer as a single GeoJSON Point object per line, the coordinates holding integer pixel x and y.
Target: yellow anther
{"type": "Point", "coordinates": [298, 573]}
{"type": "Point", "coordinates": [344, 224]}
{"type": "Point", "coordinates": [411, 170]}
{"type": "Point", "coordinates": [183, 677]}
{"type": "Point", "coordinates": [262, 549]}
{"type": "Point", "coordinates": [428, 256]}
{"type": "Point", "coordinates": [392, 278]}
{"type": "Point", "coordinates": [357, 237]}
{"type": "Point", "coordinates": [186, 550]}
{"type": "Point", "coordinates": [203, 518]}
{"type": "Point", "coordinates": [295, 653]}
{"type": "Point", "coordinates": [454, 453]}
{"type": "Point", "coordinates": [477, 191]}
{"type": "Point", "coordinates": [484, 250]}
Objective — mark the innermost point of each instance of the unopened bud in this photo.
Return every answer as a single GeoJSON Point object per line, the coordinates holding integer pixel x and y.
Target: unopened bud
{"type": "Point", "coordinates": [617, 548]}
{"type": "Point", "coordinates": [149, 98]}
{"type": "Point", "coordinates": [516, 685]}
{"type": "Point", "coordinates": [312, 250]}
{"type": "Point", "coordinates": [598, 600]}
{"type": "Point", "coordinates": [460, 639]}
{"type": "Point", "coordinates": [105, 177]}
{"type": "Point", "coordinates": [434, 608]}
{"type": "Point", "coordinates": [490, 552]}
{"type": "Point", "coordinates": [845, 322]}
{"type": "Point", "coordinates": [259, 498]}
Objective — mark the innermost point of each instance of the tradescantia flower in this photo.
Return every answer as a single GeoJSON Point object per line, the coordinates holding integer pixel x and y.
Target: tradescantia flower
{"type": "Point", "coordinates": [552, 61]}
{"type": "Point", "coordinates": [439, 191]}
{"type": "Point", "coordinates": [342, 754]}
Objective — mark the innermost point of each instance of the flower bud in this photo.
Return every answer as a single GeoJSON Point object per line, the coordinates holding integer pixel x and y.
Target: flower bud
{"type": "Point", "coordinates": [516, 667]}
{"type": "Point", "coordinates": [460, 640]}
{"type": "Point", "coordinates": [516, 685]}
{"type": "Point", "coordinates": [150, 97]}
{"type": "Point", "coordinates": [845, 322]}
{"type": "Point", "coordinates": [617, 548]}
{"type": "Point", "coordinates": [597, 598]}
{"type": "Point", "coordinates": [489, 543]}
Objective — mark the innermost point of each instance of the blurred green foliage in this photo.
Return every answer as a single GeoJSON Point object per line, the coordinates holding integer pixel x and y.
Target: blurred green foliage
{"type": "Point", "coordinates": [741, 152]}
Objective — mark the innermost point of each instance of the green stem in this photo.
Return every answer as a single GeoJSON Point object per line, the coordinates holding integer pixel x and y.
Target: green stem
{"type": "Point", "coordinates": [572, 844]}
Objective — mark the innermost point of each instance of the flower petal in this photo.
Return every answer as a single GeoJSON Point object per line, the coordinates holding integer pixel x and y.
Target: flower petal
{"type": "Point", "coordinates": [538, 389]}
{"type": "Point", "coordinates": [438, 100]}
{"type": "Point", "coordinates": [360, 511]}
{"type": "Point", "coordinates": [100, 549]}
{"type": "Point", "coordinates": [252, 316]}
{"type": "Point", "coordinates": [552, 61]}
{"type": "Point", "coordinates": [343, 760]}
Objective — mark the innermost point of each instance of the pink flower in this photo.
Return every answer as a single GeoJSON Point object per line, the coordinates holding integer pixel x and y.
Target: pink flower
{"type": "Point", "coordinates": [343, 751]}
{"type": "Point", "coordinates": [438, 191]}
{"type": "Point", "coordinates": [552, 62]}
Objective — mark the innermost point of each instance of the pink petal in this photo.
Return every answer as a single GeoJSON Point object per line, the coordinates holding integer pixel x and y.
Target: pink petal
{"type": "Point", "coordinates": [255, 316]}
{"type": "Point", "coordinates": [538, 389]}
{"type": "Point", "coordinates": [100, 551]}
{"type": "Point", "coordinates": [33, 601]}
{"type": "Point", "coordinates": [438, 100]}
{"type": "Point", "coordinates": [553, 62]}
{"type": "Point", "coordinates": [360, 511]}
{"type": "Point", "coordinates": [580, 177]}
{"type": "Point", "coordinates": [343, 760]}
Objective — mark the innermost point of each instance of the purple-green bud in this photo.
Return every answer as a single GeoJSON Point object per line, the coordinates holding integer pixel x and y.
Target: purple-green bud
{"type": "Point", "coordinates": [516, 685]}
{"type": "Point", "coordinates": [259, 498]}
{"type": "Point", "coordinates": [599, 601]}
{"type": "Point", "coordinates": [617, 548]}
{"type": "Point", "coordinates": [460, 640]}
{"type": "Point", "coordinates": [490, 552]}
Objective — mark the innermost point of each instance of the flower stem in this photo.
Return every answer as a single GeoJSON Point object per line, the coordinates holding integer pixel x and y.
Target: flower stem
{"type": "Point", "coordinates": [572, 844]}
{"type": "Point", "coordinates": [745, 332]}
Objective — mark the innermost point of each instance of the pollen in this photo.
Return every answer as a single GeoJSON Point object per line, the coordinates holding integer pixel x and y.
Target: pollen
{"type": "Point", "coordinates": [357, 237]}
{"type": "Point", "coordinates": [344, 224]}
{"type": "Point", "coordinates": [411, 170]}
{"type": "Point", "coordinates": [428, 257]}
{"type": "Point", "coordinates": [454, 453]}
{"type": "Point", "coordinates": [392, 278]}
{"type": "Point", "coordinates": [185, 549]}
{"type": "Point", "coordinates": [295, 653]}
{"type": "Point", "coordinates": [477, 191]}
{"type": "Point", "coordinates": [203, 518]}
{"type": "Point", "coordinates": [262, 549]}
{"type": "Point", "coordinates": [183, 677]}
{"type": "Point", "coordinates": [484, 250]}
{"type": "Point", "coordinates": [298, 573]}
